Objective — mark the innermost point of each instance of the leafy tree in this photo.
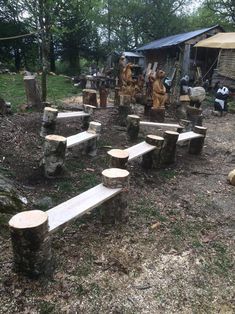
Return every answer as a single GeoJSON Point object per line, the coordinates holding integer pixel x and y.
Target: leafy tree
{"type": "Point", "coordinates": [223, 9]}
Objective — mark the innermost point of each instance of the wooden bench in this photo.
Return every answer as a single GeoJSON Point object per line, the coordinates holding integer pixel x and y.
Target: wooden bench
{"type": "Point", "coordinates": [157, 150]}
{"type": "Point", "coordinates": [134, 124]}
{"type": "Point", "coordinates": [30, 230]}
{"type": "Point", "coordinates": [50, 116]}
{"type": "Point", "coordinates": [55, 147]}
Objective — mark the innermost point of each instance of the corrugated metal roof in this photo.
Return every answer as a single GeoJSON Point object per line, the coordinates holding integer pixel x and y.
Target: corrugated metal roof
{"type": "Point", "coordinates": [174, 39]}
{"type": "Point", "coordinates": [132, 54]}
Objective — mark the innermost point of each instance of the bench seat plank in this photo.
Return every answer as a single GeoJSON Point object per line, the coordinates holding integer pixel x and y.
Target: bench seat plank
{"type": "Point", "coordinates": [80, 138]}
{"type": "Point", "coordinates": [157, 124]}
{"type": "Point", "coordinates": [70, 114]}
{"type": "Point", "coordinates": [79, 205]}
{"type": "Point", "coordinates": [188, 136]}
{"type": "Point", "coordinates": [139, 150]}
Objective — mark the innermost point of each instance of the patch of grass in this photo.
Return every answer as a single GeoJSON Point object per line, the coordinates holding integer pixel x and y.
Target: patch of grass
{"type": "Point", "coordinates": [84, 267]}
{"type": "Point", "coordinates": [220, 261]}
{"type": "Point", "coordinates": [87, 180]}
{"type": "Point", "coordinates": [12, 89]}
{"type": "Point", "coordinates": [167, 173]}
{"type": "Point", "coordinates": [65, 186]}
{"type": "Point", "coordinates": [46, 307]}
{"type": "Point", "coordinates": [147, 209]}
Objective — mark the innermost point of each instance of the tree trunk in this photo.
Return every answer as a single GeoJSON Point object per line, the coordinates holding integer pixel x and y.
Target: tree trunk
{"type": "Point", "coordinates": [32, 93]}
{"type": "Point", "coordinates": [31, 243]}
{"type": "Point", "coordinates": [168, 152]}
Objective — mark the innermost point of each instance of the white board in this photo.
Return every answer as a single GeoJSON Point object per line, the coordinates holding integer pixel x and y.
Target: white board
{"type": "Point", "coordinates": [188, 136]}
{"type": "Point", "coordinates": [70, 114]}
{"type": "Point", "coordinates": [79, 138]}
{"type": "Point", "coordinates": [139, 150]}
{"type": "Point", "coordinates": [79, 205]}
{"type": "Point", "coordinates": [159, 125]}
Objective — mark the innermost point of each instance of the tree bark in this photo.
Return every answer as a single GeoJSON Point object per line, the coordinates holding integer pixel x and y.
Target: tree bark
{"type": "Point", "coordinates": [196, 144]}
{"type": "Point", "coordinates": [133, 126]}
{"type": "Point", "coordinates": [31, 244]}
{"type": "Point", "coordinates": [116, 209]}
{"type": "Point", "coordinates": [54, 155]}
{"type": "Point", "coordinates": [168, 152]}
{"type": "Point", "coordinates": [118, 158]}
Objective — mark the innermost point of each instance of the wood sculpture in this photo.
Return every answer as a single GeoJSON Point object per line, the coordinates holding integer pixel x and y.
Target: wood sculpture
{"type": "Point", "coordinates": [159, 91]}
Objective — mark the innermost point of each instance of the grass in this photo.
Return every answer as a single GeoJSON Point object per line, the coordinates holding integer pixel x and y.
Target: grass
{"type": "Point", "coordinates": [147, 209]}
{"type": "Point", "coordinates": [12, 89]}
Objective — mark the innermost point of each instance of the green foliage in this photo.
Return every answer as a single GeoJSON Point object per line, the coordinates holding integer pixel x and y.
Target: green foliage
{"type": "Point", "coordinates": [12, 89]}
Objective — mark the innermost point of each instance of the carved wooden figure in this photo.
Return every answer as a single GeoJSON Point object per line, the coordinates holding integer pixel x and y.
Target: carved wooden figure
{"type": "Point", "coordinates": [159, 91]}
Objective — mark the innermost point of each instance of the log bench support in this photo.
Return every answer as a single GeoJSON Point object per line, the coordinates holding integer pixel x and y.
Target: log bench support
{"type": "Point", "coordinates": [133, 126]}
{"type": "Point", "coordinates": [48, 121]}
{"type": "Point", "coordinates": [31, 230]}
{"type": "Point", "coordinates": [115, 210]}
{"type": "Point", "coordinates": [168, 152]}
{"type": "Point", "coordinates": [85, 120]}
{"type": "Point", "coordinates": [89, 97]}
{"type": "Point", "coordinates": [196, 145]}
{"type": "Point", "coordinates": [31, 244]}
{"type": "Point", "coordinates": [91, 147]}
{"type": "Point", "coordinates": [153, 158]}
{"type": "Point", "coordinates": [124, 108]}
{"type": "Point", "coordinates": [54, 155]}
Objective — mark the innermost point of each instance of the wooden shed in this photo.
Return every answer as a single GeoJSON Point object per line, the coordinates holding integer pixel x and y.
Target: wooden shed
{"type": "Point", "coordinates": [224, 70]}
{"type": "Point", "coordinates": [179, 48]}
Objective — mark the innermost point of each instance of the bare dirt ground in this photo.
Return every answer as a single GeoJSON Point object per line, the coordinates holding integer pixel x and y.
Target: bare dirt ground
{"type": "Point", "coordinates": [176, 253]}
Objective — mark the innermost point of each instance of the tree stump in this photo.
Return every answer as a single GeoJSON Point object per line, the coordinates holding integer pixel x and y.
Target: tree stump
{"type": "Point", "coordinates": [32, 92]}
{"type": "Point", "coordinates": [194, 115]}
{"type": "Point", "coordinates": [157, 114]}
{"type": "Point", "coordinates": [231, 177]}
{"type": "Point", "coordinates": [118, 158]}
{"type": "Point", "coordinates": [48, 121]}
{"type": "Point", "coordinates": [153, 158]}
{"type": "Point", "coordinates": [91, 146]}
{"type": "Point", "coordinates": [85, 120]}
{"type": "Point", "coordinates": [168, 152]}
{"type": "Point", "coordinates": [54, 154]}
{"type": "Point", "coordinates": [124, 108]}
{"type": "Point", "coordinates": [196, 144]}
{"type": "Point", "coordinates": [31, 243]}
{"type": "Point", "coordinates": [89, 97]}
{"type": "Point", "coordinates": [133, 126]}
{"type": "Point", "coordinates": [116, 209]}
{"type": "Point", "coordinates": [103, 96]}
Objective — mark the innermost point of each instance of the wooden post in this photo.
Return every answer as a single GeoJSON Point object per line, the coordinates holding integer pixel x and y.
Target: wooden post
{"type": "Point", "coordinates": [31, 243]}
{"type": "Point", "coordinates": [54, 154]}
{"type": "Point", "coordinates": [91, 147]}
{"type": "Point", "coordinates": [85, 120]}
{"type": "Point", "coordinates": [103, 96]}
{"type": "Point", "coordinates": [89, 97]}
{"type": "Point", "coordinates": [157, 114]}
{"type": "Point", "coordinates": [196, 144]}
{"type": "Point", "coordinates": [124, 108]}
{"type": "Point", "coordinates": [32, 92]}
{"type": "Point", "coordinates": [133, 126]}
{"type": "Point", "coordinates": [194, 115]}
{"type": "Point", "coordinates": [118, 158]}
{"type": "Point", "coordinates": [169, 147]}
{"type": "Point", "coordinates": [116, 209]}
{"type": "Point", "coordinates": [152, 159]}
{"type": "Point", "coordinates": [48, 121]}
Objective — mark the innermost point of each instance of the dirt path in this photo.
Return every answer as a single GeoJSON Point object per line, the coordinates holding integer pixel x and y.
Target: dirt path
{"type": "Point", "coordinates": [176, 253]}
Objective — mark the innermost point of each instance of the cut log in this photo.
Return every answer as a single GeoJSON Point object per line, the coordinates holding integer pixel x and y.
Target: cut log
{"type": "Point", "coordinates": [32, 92]}
{"type": "Point", "coordinates": [153, 158]}
{"type": "Point", "coordinates": [194, 115]}
{"type": "Point", "coordinates": [48, 121]}
{"type": "Point", "coordinates": [157, 115]}
{"type": "Point", "coordinates": [89, 97]}
{"type": "Point", "coordinates": [103, 96]}
{"type": "Point", "coordinates": [118, 158]}
{"type": "Point", "coordinates": [168, 152]}
{"type": "Point", "coordinates": [196, 145]}
{"type": "Point", "coordinates": [116, 209]}
{"type": "Point", "coordinates": [115, 178]}
{"type": "Point", "coordinates": [54, 154]}
{"type": "Point", "coordinates": [133, 126]}
{"type": "Point", "coordinates": [231, 177]}
{"type": "Point", "coordinates": [94, 127]}
{"type": "Point", "coordinates": [31, 243]}
{"type": "Point", "coordinates": [124, 108]}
